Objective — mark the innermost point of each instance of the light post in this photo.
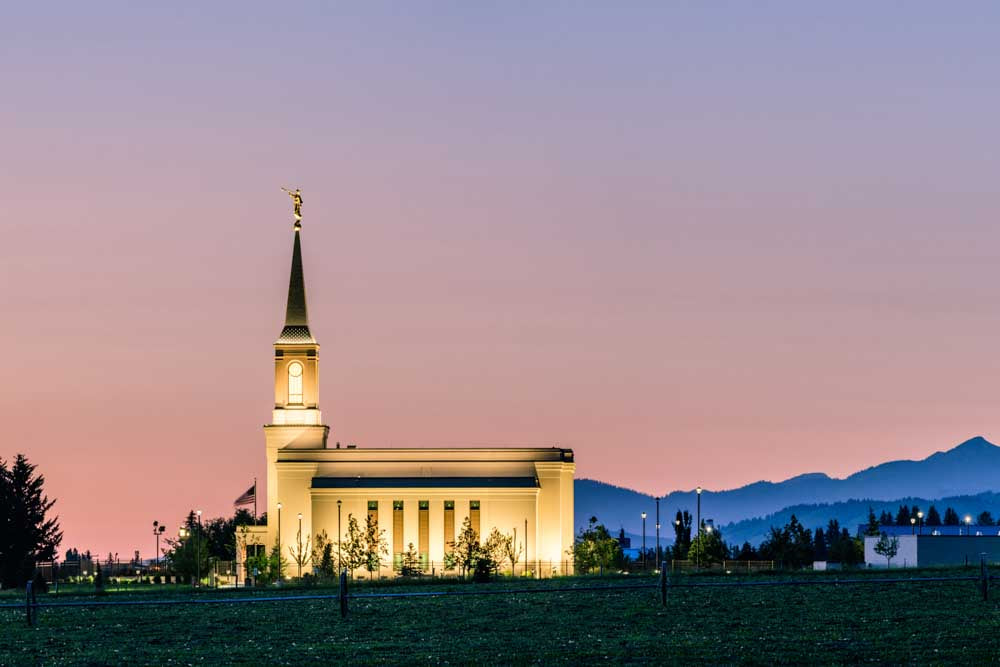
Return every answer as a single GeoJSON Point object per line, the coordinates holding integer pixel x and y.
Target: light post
{"type": "Point", "coordinates": [657, 558]}
{"type": "Point", "coordinates": [298, 561]}
{"type": "Point", "coordinates": [913, 526]}
{"type": "Point", "coordinates": [644, 541]}
{"type": "Point", "coordinates": [340, 537]}
{"type": "Point", "coordinates": [279, 544]}
{"type": "Point", "coordinates": [968, 526]}
{"type": "Point", "coordinates": [197, 550]}
{"type": "Point", "coordinates": [698, 553]}
{"type": "Point", "coordinates": [157, 531]}
{"type": "Point", "coordinates": [920, 523]}
{"type": "Point", "coordinates": [182, 532]}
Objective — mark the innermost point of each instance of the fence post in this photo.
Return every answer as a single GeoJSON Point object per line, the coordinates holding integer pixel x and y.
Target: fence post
{"type": "Point", "coordinates": [663, 586]}
{"type": "Point", "coordinates": [343, 593]}
{"type": "Point", "coordinates": [984, 577]}
{"type": "Point", "coordinates": [29, 590]}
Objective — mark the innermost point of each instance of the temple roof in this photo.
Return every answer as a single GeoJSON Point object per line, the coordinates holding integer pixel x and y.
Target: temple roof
{"type": "Point", "coordinates": [423, 482]}
{"type": "Point", "coordinates": [296, 329]}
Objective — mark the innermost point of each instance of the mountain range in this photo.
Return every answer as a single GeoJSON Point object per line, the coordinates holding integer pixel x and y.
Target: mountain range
{"type": "Point", "coordinates": [971, 469]}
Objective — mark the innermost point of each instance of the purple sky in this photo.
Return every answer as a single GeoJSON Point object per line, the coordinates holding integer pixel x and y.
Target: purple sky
{"type": "Point", "coordinates": [696, 244]}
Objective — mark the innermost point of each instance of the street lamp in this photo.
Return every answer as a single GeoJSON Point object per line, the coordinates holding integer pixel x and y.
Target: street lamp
{"type": "Point", "coordinates": [197, 550]}
{"type": "Point", "coordinates": [913, 526]}
{"type": "Point", "coordinates": [920, 523]}
{"type": "Point", "coordinates": [279, 544]}
{"type": "Point", "coordinates": [643, 540]}
{"type": "Point", "coordinates": [340, 537]}
{"type": "Point", "coordinates": [656, 560]}
{"type": "Point", "coordinates": [698, 553]}
{"type": "Point", "coordinates": [298, 561]}
{"type": "Point", "coordinates": [968, 526]}
{"type": "Point", "coordinates": [157, 531]}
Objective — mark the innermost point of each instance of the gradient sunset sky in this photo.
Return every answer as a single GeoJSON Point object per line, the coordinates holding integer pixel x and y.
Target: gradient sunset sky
{"type": "Point", "coordinates": [699, 243]}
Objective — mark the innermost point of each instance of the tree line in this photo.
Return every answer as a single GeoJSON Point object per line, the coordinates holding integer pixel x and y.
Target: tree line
{"type": "Point", "coordinates": [790, 546]}
{"type": "Point", "coordinates": [906, 516]}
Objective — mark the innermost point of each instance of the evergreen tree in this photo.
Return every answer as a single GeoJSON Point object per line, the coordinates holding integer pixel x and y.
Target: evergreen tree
{"type": "Point", "coordinates": [746, 552]}
{"type": "Point", "coordinates": [682, 534]}
{"type": "Point", "coordinates": [885, 518]}
{"type": "Point", "coordinates": [903, 516]}
{"type": "Point", "coordinates": [820, 551]}
{"type": "Point", "coordinates": [951, 517]}
{"type": "Point", "coordinates": [26, 535]}
{"type": "Point", "coordinates": [985, 519]}
{"type": "Point", "coordinates": [932, 518]}
{"type": "Point", "coordinates": [411, 562]}
{"type": "Point", "coordinates": [873, 523]}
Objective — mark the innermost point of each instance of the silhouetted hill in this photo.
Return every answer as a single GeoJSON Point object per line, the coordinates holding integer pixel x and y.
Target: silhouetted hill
{"type": "Point", "coordinates": [853, 513]}
{"type": "Point", "coordinates": [971, 468]}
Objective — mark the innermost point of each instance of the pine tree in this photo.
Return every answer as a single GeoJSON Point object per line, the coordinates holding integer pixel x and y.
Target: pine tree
{"type": "Point", "coordinates": [26, 535]}
{"type": "Point", "coordinates": [873, 524]}
{"type": "Point", "coordinates": [951, 517]}
{"type": "Point", "coordinates": [985, 519]}
{"type": "Point", "coordinates": [903, 516]}
{"type": "Point", "coordinates": [411, 562]}
{"type": "Point", "coordinates": [932, 518]}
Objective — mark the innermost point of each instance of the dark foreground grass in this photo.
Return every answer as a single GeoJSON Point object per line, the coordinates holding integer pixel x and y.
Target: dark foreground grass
{"type": "Point", "coordinates": [939, 623]}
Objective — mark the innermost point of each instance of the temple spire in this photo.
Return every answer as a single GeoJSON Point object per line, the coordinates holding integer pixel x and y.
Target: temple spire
{"type": "Point", "coordinates": [296, 329]}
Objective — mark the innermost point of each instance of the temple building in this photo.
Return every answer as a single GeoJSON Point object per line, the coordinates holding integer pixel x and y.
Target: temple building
{"type": "Point", "coordinates": [416, 495]}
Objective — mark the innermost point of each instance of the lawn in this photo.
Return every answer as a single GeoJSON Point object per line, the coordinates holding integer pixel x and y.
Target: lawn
{"type": "Point", "coordinates": [945, 623]}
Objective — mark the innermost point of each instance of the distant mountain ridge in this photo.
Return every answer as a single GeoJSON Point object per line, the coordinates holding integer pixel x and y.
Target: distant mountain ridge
{"type": "Point", "coordinates": [969, 469]}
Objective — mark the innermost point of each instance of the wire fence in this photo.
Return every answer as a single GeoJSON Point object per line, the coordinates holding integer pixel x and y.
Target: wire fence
{"type": "Point", "coordinates": [663, 584]}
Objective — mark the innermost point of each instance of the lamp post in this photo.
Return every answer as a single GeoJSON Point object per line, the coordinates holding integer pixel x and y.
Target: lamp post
{"type": "Point", "coordinates": [340, 537]}
{"type": "Point", "coordinates": [656, 560]}
{"type": "Point", "coordinates": [920, 523]}
{"type": "Point", "coordinates": [197, 550]}
{"type": "Point", "coordinates": [279, 544]}
{"type": "Point", "coordinates": [643, 541]}
{"type": "Point", "coordinates": [157, 531]}
{"type": "Point", "coordinates": [298, 560]}
{"type": "Point", "coordinates": [913, 526]}
{"type": "Point", "coordinates": [968, 525]}
{"type": "Point", "coordinates": [182, 532]}
{"type": "Point", "coordinates": [698, 553]}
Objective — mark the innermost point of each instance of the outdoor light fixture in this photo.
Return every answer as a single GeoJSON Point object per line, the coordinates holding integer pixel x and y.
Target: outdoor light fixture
{"type": "Point", "coordinates": [913, 526]}
{"type": "Point", "coordinates": [968, 522]}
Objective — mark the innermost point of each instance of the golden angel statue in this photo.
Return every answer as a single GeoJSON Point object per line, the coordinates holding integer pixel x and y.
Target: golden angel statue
{"type": "Point", "coordinates": [296, 196]}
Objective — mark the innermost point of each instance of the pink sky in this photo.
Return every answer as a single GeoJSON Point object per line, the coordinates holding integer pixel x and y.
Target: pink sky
{"type": "Point", "coordinates": [697, 246]}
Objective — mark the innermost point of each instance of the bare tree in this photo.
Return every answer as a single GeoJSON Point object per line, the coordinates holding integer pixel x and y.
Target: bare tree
{"type": "Point", "coordinates": [512, 550]}
{"type": "Point", "coordinates": [888, 547]}
{"type": "Point", "coordinates": [301, 551]}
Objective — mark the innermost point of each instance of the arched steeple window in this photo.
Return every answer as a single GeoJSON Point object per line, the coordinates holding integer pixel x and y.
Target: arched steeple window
{"type": "Point", "coordinates": [295, 383]}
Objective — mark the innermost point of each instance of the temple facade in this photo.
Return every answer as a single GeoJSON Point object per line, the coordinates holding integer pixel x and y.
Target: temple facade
{"type": "Point", "coordinates": [416, 496]}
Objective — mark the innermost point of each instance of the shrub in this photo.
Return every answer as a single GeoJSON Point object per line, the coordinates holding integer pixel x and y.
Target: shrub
{"type": "Point", "coordinates": [484, 571]}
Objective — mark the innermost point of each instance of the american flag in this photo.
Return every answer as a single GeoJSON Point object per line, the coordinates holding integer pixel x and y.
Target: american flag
{"type": "Point", "coordinates": [247, 498]}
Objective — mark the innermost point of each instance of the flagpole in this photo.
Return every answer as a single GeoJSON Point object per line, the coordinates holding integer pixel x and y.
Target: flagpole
{"type": "Point", "coordinates": [255, 501]}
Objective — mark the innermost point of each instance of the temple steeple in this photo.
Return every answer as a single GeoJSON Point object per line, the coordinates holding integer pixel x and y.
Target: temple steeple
{"type": "Point", "coordinates": [296, 329]}
{"type": "Point", "coordinates": [296, 360]}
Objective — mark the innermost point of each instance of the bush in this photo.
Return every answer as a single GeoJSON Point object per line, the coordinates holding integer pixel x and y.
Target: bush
{"type": "Point", "coordinates": [157, 579]}
{"type": "Point", "coordinates": [483, 573]}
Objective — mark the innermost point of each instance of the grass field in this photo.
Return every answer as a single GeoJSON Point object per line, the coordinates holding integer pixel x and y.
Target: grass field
{"type": "Point", "coordinates": [942, 623]}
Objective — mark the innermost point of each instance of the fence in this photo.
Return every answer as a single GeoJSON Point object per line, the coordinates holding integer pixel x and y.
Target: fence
{"type": "Point", "coordinates": [343, 596]}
